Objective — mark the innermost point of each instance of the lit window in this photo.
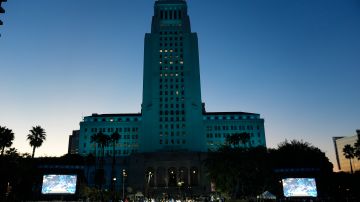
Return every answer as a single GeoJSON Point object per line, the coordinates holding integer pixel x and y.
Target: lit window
{"type": "Point", "coordinates": [166, 50]}
{"type": "Point", "coordinates": [160, 51]}
{"type": "Point", "coordinates": [171, 50]}
{"type": "Point", "coordinates": [181, 62]}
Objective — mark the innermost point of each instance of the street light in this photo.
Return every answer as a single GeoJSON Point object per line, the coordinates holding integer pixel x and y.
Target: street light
{"type": "Point", "coordinates": [113, 187]}
{"type": "Point", "coordinates": [114, 181]}
{"type": "Point", "coordinates": [148, 177]}
{"type": "Point", "coordinates": [123, 183]}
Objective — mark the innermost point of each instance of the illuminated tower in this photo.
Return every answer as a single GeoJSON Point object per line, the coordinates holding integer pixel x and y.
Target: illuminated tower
{"type": "Point", "coordinates": [171, 106]}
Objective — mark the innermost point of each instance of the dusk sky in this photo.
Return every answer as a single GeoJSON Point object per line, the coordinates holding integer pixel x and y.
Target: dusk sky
{"type": "Point", "coordinates": [297, 63]}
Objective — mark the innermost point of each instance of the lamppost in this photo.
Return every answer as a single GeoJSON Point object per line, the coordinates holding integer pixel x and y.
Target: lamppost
{"type": "Point", "coordinates": [148, 176]}
{"type": "Point", "coordinates": [123, 183]}
{"type": "Point", "coordinates": [114, 190]}
{"type": "Point", "coordinates": [179, 184]}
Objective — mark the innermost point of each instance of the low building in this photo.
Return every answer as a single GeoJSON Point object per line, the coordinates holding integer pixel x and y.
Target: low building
{"type": "Point", "coordinates": [217, 126]}
{"type": "Point", "coordinates": [73, 147]}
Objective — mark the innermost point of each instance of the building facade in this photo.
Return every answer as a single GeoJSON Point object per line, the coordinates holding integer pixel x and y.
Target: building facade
{"type": "Point", "coordinates": [342, 162]}
{"type": "Point", "coordinates": [73, 147]}
{"type": "Point", "coordinates": [172, 116]}
{"type": "Point", "coordinates": [127, 125]}
{"type": "Point", "coordinates": [219, 125]}
{"type": "Point", "coordinates": [171, 106]}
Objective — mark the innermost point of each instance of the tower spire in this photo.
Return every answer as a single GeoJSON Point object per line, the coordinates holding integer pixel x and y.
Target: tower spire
{"type": "Point", "coordinates": [171, 107]}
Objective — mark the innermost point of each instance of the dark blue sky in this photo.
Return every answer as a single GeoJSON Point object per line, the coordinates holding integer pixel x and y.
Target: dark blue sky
{"type": "Point", "coordinates": [297, 63]}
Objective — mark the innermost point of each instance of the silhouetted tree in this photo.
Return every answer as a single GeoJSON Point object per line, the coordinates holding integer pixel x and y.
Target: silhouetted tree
{"type": "Point", "coordinates": [247, 172]}
{"type": "Point", "coordinates": [240, 172]}
{"type": "Point", "coordinates": [25, 155]}
{"type": "Point", "coordinates": [300, 154]}
{"type": "Point", "coordinates": [299, 158]}
{"type": "Point", "coordinates": [12, 152]}
{"type": "Point", "coordinates": [114, 138]}
{"type": "Point", "coordinates": [236, 139]}
{"type": "Point", "coordinates": [244, 138]}
{"type": "Point", "coordinates": [6, 138]}
{"type": "Point", "coordinates": [102, 140]}
{"type": "Point", "coordinates": [357, 148]}
{"type": "Point", "coordinates": [349, 153]}
{"type": "Point", "coordinates": [89, 160]}
{"type": "Point", "coordinates": [233, 140]}
{"type": "Point", "coordinates": [36, 137]}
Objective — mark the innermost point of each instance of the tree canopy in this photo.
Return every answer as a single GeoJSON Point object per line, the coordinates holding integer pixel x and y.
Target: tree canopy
{"type": "Point", "coordinates": [36, 137]}
{"type": "Point", "coordinates": [6, 138]}
{"type": "Point", "coordinates": [349, 153]}
{"type": "Point", "coordinates": [300, 154]}
{"type": "Point", "coordinates": [246, 172]}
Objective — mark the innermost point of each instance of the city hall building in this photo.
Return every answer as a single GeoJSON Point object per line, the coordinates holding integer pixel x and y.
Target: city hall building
{"type": "Point", "coordinates": [165, 144]}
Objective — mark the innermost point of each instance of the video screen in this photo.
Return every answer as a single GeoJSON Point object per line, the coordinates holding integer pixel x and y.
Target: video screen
{"type": "Point", "coordinates": [59, 184]}
{"type": "Point", "coordinates": [304, 187]}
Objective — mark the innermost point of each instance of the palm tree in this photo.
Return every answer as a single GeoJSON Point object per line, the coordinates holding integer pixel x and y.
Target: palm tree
{"type": "Point", "coordinates": [349, 152]}
{"type": "Point", "coordinates": [233, 140]}
{"type": "Point", "coordinates": [102, 140]}
{"type": "Point", "coordinates": [36, 137]}
{"type": "Point", "coordinates": [6, 138]}
{"type": "Point", "coordinates": [114, 138]}
{"type": "Point", "coordinates": [357, 148]}
{"type": "Point", "coordinates": [244, 138]}
{"type": "Point", "coordinates": [237, 138]}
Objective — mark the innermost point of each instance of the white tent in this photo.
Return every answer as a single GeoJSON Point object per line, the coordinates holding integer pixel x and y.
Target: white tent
{"type": "Point", "coordinates": [266, 195]}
